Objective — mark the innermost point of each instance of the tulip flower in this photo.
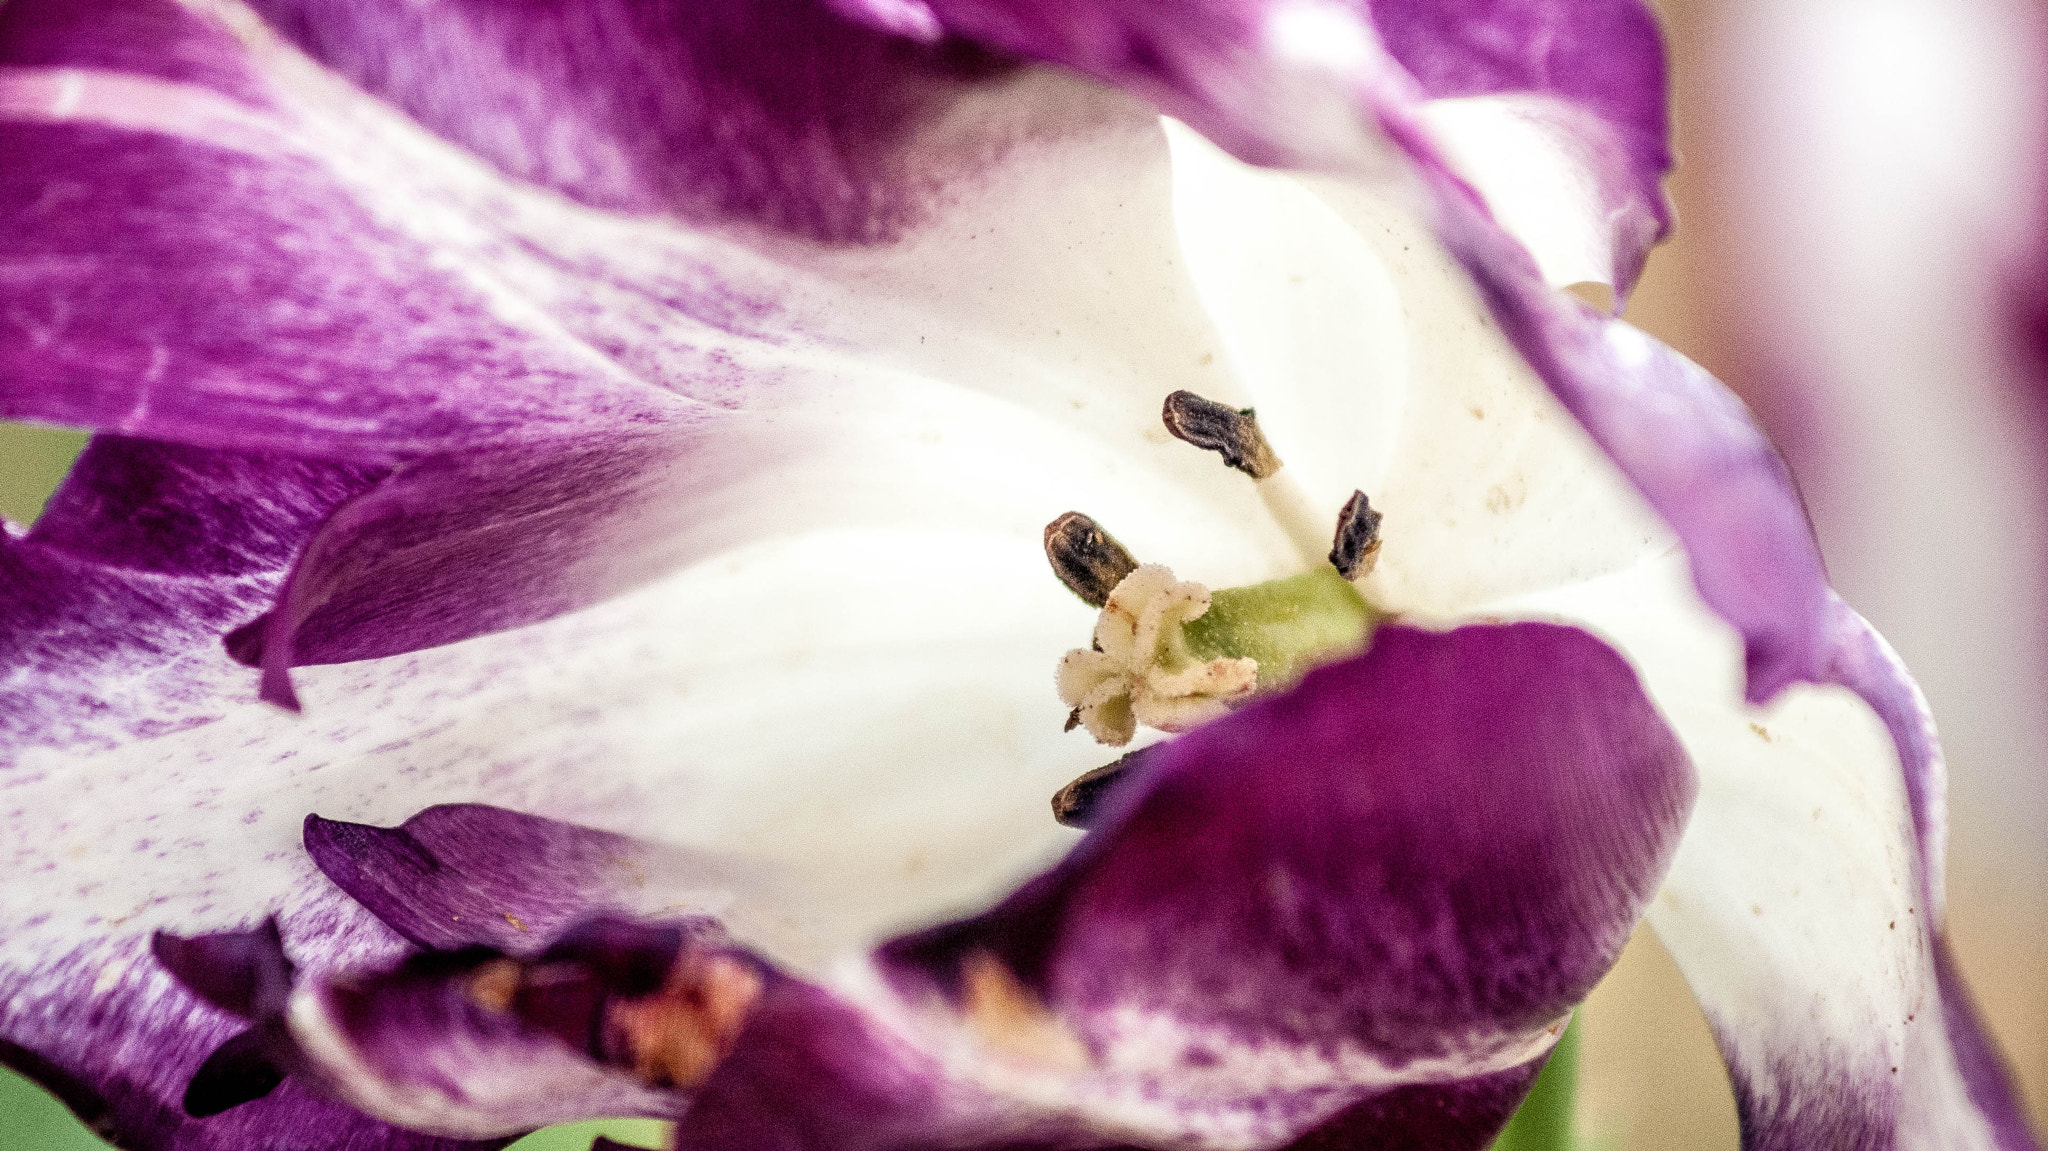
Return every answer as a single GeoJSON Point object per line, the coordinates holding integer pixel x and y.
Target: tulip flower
{"type": "Point", "coordinates": [628, 440]}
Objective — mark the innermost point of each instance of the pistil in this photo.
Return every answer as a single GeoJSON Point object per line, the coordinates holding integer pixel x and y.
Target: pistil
{"type": "Point", "coordinates": [1141, 669]}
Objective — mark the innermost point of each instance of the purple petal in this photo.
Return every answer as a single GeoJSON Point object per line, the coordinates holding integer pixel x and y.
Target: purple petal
{"type": "Point", "coordinates": [1598, 58]}
{"type": "Point", "coordinates": [1987, 1078]}
{"type": "Point", "coordinates": [1466, 1114]}
{"type": "Point", "coordinates": [242, 972]}
{"type": "Point", "coordinates": [1605, 55]}
{"type": "Point", "coordinates": [1401, 897]}
{"type": "Point", "coordinates": [1864, 663]}
{"type": "Point", "coordinates": [613, 1019]}
{"type": "Point", "coordinates": [239, 1071]}
{"type": "Point", "coordinates": [465, 874]}
{"type": "Point", "coordinates": [1685, 442]}
{"type": "Point", "coordinates": [110, 1033]}
{"type": "Point", "coordinates": [454, 546]}
{"type": "Point", "coordinates": [523, 362]}
{"type": "Point", "coordinates": [228, 298]}
{"type": "Point", "coordinates": [811, 1072]}
{"type": "Point", "coordinates": [1421, 857]}
{"type": "Point", "coordinates": [159, 38]}
{"type": "Point", "coordinates": [1417, 859]}
{"type": "Point", "coordinates": [1276, 83]}
{"type": "Point", "coordinates": [1905, 406]}
{"type": "Point", "coordinates": [143, 557]}
{"type": "Point", "coordinates": [660, 106]}
{"type": "Point", "coordinates": [1797, 907]}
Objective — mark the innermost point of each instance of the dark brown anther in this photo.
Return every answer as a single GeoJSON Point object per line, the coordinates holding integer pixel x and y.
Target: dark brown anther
{"type": "Point", "coordinates": [1229, 432]}
{"type": "Point", "coordinates": [1087, 559]}
{"type": "Point", "coordinates": [1075, 804]}
{"type": "Point", "coordinates": [1357, 545]}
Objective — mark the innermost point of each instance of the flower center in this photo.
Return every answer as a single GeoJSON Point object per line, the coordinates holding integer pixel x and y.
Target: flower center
{"type": "Point", "coordinates": [1142, 669]}
{"type": "Point", "coordinates": [1170, 653]}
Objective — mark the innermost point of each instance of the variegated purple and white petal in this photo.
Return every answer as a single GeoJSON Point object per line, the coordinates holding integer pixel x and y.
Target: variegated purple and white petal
{"type": "Point", "coordinates": [1564, 96]}
{"type": "Point", "coordinates": [144, 556]}
{"type": "Point", "coordinates": [1393, 898]}
{"type": "Point", "coordinates": [849, 450]}
{"type": "Point", "coordinates": [1796, 908]}
{"type": "Point", "coordinates": [1752, 843]}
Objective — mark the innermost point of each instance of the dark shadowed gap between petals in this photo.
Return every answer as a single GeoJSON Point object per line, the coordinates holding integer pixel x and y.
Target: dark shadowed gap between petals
{"type": "Point", "coordinates": [239, 1071]}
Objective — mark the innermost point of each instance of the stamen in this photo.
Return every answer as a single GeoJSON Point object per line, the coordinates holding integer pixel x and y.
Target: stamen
{"type": "Point", "coordinates": [1140, 669]}
{"type": "Point", "coordinates": [1357, 544]}
{"type": "Point", "coordinates": [1087, 559]}
{"type": "Point", "coordinates": [1229, 432]}
{"type": "Point", "coordinates": [1075, 804]}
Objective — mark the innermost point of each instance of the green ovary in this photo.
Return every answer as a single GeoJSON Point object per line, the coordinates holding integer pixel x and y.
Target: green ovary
{"type": "Point", "coordinates": [1290, 626]}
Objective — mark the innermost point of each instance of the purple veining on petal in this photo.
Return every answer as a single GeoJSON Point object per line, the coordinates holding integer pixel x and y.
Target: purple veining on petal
{"type": "Point", "coordinates": [465, 874]}
{"type": "Point", "coordinates": [113, 1035]}
{"type": "Point", "coordinates": [160, 38]}
{"type": "Point", "coordinates": [144, 556]}
{"type": "Point", "coordinates": [144, 506]}
{"type": "Point", "coordinates": [233, 300]}
{"type": "Point", "coordinates": [777, 112]}
{"type": "Point", "coordinates": [458, 545]}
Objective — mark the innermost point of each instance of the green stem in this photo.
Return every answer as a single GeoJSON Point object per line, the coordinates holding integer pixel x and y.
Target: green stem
{"type": "Point", "coordinates": [1544, 1122]}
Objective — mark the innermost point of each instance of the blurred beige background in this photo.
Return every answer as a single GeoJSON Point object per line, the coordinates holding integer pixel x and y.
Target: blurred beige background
{"type": "Point", "coordinates": [1653, 1081]}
